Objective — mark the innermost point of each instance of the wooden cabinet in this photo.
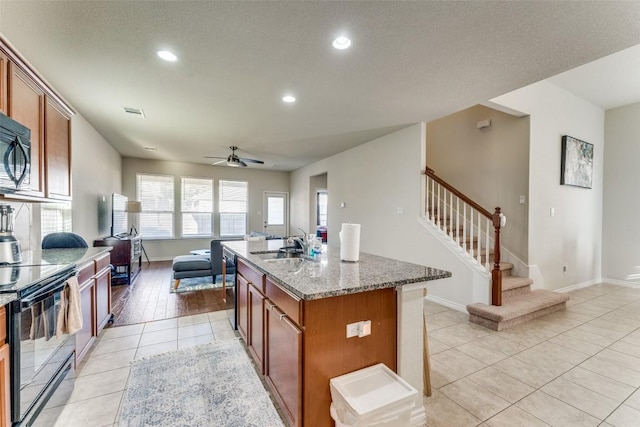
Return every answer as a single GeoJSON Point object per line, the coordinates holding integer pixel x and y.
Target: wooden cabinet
{"type": "Point", "coordinates": [5, 373]}
{"type": "Point", "coordinates": [250, 311]}
{"type": "Point", "coordinates": [26, 106]}
{"type": "Point", "coordinates": [27, 99]}
{"type": "Point", "coordinates": [95, 296]}
{"type": "Point", "coordinates": [57, 149]}
{"type": "Point", "coordinates": [4, 59]}
{"type": "Point", "coordinates": [86, 335]}
{"type": "Point", "coordinates": [126, 258]}
{"type": "Point", "coordinates": [103, 291]}
{"type": "Point", "coordinates": [301, 344]}
{"type": "Point", "coordinates": [242, 312]}
{"type": "Point", "coordinates": [283, 362]}
{"type": "Point", "coordinates": [5, 387]}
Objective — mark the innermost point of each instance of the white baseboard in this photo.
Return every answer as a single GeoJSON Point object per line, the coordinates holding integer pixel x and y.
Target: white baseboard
{"type": "Point", "coordinates": [619, 282]}
{"type": "Point", "coordinates": [447, 303]}
{"type": "Point", "coordinates": [579, 285]}
{"type": "Point", "coordinates": [588, 283]}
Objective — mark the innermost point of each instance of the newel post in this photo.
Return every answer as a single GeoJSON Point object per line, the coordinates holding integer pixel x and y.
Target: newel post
{"type": "Point", "coordinates": [496, 273]}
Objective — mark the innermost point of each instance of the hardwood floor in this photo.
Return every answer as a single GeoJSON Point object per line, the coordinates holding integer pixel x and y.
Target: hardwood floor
{"type": "Point", "coordinates": [149, 298]}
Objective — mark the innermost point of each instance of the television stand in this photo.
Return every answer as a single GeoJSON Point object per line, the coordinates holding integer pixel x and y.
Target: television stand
{"type": "Point", "coordinates": [126, 257]}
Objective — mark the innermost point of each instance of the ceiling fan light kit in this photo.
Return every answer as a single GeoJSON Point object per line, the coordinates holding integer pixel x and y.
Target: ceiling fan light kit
{"type": "Point", "coordinates": [233, 160]}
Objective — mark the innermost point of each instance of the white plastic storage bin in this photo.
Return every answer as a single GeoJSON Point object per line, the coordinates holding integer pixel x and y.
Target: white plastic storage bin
{"type": "Point", "coordinates": [373, 396]}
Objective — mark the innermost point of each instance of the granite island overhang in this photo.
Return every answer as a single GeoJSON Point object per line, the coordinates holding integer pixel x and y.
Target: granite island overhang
{"type": "Point", "coordinates": [326, 278]}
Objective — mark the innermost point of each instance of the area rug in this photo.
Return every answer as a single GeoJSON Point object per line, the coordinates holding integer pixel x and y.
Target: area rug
{"type": "Point", "coordinates": [209, 385]}
{"type": "Point", "coordinates": [199, 283]}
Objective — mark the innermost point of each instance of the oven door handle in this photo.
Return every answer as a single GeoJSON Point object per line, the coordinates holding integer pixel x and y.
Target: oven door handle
{"type": "Point", "coordinates": [45, 293]}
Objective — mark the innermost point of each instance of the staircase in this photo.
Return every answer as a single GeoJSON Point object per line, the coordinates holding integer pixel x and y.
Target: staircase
{"type": "Point", "coordinates": [519, 303]}
{"type": "Point", "coordinates": [471, 228]}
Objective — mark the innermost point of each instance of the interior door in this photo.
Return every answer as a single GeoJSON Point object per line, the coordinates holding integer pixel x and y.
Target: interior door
{"type": "Point", "coordinates": [276, 213]}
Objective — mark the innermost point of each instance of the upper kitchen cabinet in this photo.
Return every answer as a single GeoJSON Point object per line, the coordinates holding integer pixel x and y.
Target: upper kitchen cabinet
{"type": "Point", "coordinates": [26, 98]}
{"type": "Point", "coordinates": [3, 82]}
{"type": "Point", "coordinates": [57, 149]}
{"type": "Point", "coordinates": [26, 106]}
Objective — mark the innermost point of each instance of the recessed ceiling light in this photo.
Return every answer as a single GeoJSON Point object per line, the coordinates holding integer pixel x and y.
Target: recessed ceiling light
{"type": "Point", "coordinates": [289, 98]}
{"type": "Point", "coordinates": [167, 56]}
{"type": "Point", "coordinates": [341, 43]}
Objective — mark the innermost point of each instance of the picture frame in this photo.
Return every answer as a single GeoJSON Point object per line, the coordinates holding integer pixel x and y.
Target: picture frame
{"type": "Point", "coordinates": [577, 163]}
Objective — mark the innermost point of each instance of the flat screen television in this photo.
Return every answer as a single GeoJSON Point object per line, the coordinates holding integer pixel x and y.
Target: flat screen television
{"type": "Point", "coordinates": [119, 223]}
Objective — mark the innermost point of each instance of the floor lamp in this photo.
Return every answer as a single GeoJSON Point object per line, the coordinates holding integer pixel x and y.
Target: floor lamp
{"type": "Point", "coordinates": [134, 208]}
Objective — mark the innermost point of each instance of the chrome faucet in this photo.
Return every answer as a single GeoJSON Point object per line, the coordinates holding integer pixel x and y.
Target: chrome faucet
{"type": "Point", "coordinates": [303, 241]}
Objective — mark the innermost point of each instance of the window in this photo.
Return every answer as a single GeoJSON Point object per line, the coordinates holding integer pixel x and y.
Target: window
{"type": "Point", "coordinates": [322, 208]}
{"type": "Point", "coordinates": [54, 218]}
{"type": "Point", "coordinates": [156, 194]}
{"type": "Point", "coordinates": [233, 208]}
{"type": "Point", "coordinates": [197, 207]}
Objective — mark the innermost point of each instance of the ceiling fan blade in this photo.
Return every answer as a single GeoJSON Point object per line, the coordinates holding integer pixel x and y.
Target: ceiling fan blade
{"type": "Point", "coordinates": [219, 162]}
{"type": "Point", "coordinates": [213, 157]}
{"type": "Point", "coordinates": [252, 160]}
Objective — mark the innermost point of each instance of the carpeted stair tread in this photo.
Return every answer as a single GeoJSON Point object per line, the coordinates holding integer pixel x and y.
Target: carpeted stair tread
{"type": "Point", "coordinates": [514, 282]}
{"type": "Point", "coordinates": [517, 309]}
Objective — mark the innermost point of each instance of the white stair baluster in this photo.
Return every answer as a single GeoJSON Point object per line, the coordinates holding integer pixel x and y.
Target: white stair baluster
{"type": "Point", "coordinates": [470, 241]}
{"type": "Point", "coordinates": [486, 248]}
{"type": "Point", "coordinates": [479, 251]}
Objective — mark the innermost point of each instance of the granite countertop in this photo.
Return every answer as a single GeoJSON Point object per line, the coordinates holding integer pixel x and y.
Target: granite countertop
{"type": "Point", "coordinates": [7, 298]}
{"type": "Point", "coordinates": [327, 276]}
{"type": "Point", "coordinates": [39, 264]}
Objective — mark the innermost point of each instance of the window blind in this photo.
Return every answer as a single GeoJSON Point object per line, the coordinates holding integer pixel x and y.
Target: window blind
{"type": "Point", "coordinates": [156, 193]}
{"type": "Point", "coordinates": [197, 207]}
{"type": "Point", "coordinates": [233, 208]}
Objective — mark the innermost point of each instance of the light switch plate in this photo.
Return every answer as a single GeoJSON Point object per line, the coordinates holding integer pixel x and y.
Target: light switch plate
{"type": "Point", "coordinates": [353, 329]}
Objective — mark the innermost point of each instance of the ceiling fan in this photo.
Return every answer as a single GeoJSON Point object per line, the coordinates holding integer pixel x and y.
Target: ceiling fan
{"type": "Point", "coordinates": [233, 160]}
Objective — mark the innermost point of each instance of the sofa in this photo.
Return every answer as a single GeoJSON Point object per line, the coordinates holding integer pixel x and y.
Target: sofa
{"type": "Point", "coordinates": [187, 266]}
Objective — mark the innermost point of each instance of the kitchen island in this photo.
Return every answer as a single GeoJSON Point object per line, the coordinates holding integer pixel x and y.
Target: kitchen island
{"type": "Point", "coordinates": [295, 316]}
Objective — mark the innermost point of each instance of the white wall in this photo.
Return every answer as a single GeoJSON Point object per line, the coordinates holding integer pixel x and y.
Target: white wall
{"type": "Point", "coordinates": [573, 236]}
{"type": "Point", "coordinates": [621, 224]}
{"type": "Point", "coordinates": [96, 172]}
{"type": "Point", "coordinates": [259, 182]}
{"type": "Point", "coordinates": [373, 184]}
{"type": "Point", "coordinates": [490, 165]}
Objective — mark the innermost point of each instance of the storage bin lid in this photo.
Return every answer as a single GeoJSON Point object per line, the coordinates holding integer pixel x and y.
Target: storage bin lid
{"type": "Point", "coordinates": [371, 391]}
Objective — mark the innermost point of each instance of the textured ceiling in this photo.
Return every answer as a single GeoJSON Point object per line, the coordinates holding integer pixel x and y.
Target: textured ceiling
{"type": "Point", "coordinates": [409, 62]}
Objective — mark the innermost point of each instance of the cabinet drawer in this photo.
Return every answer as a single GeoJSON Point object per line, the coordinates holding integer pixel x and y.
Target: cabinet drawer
{"type": "Point", "coordinates": [85, 272]}
{"type": "Point", "coordinates": [251, 275]}
{"type": "Point", "coordinates": [289, 304]}
{"type": "Point", "coordinates": [102, 262]}
{"type": "Point", "coordinates": [3, 325]}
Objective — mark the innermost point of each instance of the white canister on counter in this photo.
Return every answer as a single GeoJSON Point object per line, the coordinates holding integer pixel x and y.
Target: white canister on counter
{"type": "Point", "coordinates": [350, 242]}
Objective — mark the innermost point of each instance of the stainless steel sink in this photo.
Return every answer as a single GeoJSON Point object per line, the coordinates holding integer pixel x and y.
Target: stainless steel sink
{"type": "Point", "coordinates": [289, 262]}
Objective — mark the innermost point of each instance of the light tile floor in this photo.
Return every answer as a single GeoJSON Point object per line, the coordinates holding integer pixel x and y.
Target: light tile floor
{"type": "Point", "coordinates": [579, 367]}
{"type": "Point", "coordinates": [91, 395]}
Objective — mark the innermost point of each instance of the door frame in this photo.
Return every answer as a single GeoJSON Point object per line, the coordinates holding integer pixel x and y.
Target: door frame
{"type": "Point", "coordinates": [265, 199]}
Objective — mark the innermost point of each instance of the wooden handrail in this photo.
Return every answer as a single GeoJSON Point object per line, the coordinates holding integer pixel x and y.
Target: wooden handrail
{"type": "Point", "coordinates": [496, 218]}
{"type": "Point", "coordinates": [431, 173]}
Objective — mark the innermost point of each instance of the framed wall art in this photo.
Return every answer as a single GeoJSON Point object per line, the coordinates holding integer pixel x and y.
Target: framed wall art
{"type": "Point", "coordinates": [577, 162]}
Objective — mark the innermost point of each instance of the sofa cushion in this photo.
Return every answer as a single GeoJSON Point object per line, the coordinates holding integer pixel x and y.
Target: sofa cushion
{"type": "Point", "coordinates": [191, 262]}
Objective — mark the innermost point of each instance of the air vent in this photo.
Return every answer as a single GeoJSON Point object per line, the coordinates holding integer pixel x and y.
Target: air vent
{"type": "Point", "coordinates": [135, 111]}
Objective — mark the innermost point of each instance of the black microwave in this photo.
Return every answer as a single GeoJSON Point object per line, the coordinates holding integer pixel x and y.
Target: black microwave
{"type": "Point", "coordinates": [15, 156]}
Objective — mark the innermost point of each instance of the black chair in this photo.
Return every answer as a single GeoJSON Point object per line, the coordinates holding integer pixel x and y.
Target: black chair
{"type": "Point", "coordinates": [63, 241]}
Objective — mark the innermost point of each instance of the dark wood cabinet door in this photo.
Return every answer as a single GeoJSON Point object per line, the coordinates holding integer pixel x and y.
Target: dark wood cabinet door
{"type": "Point", "coordinates": [57, 151]}
{"type": "Point", "coordinates": [5, 387]}
{"type": "Point", "coordinates": [283, 362]}
{"type": "Point", "coordinates": [256, 326]}
{"type": "Point", "coordinates": [86, 335]}
{"type": "Point", "coordinates": [26, 101]}
{"type": "Point", "coordinates": [4, 82]}
{"type": "Point", "coordinates": [103, 298]}
{"type": "Point", "coordinates": [243, 307]}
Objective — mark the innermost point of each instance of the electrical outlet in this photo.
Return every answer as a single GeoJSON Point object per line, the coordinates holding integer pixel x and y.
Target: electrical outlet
{"type": "Point", "coordinates": [353, 329]}
{"type": "Point", "coordinates": [365, 328]}
{"type": "Point", "coordinates": [522, 200]}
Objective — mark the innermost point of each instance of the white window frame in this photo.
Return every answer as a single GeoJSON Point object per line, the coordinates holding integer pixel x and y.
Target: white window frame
{"type": "Point", "coordinates": [222, 210]}
{"type": "Point", "coordinates": [185, 212]}
{"type": "Point", "coordinates": [147, 209]}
